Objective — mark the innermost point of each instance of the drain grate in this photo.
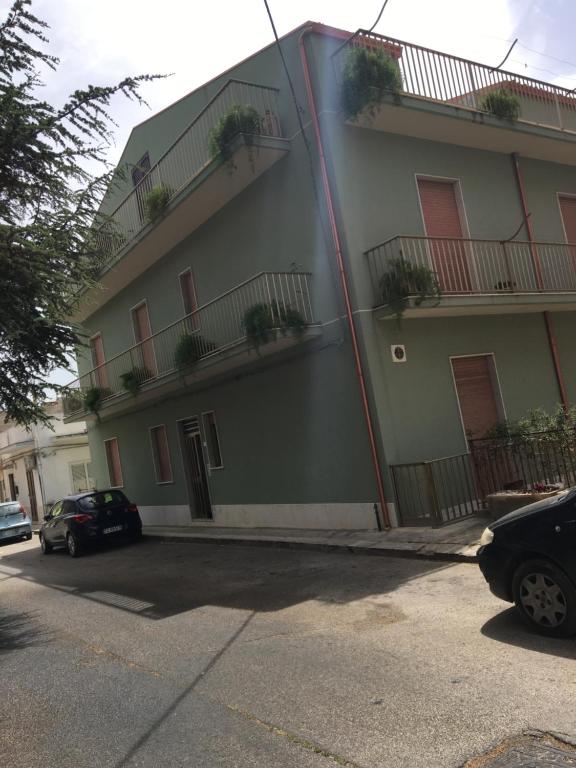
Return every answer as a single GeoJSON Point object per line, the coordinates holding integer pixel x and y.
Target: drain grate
{"type": "Point", "coordinates": [529, 751]}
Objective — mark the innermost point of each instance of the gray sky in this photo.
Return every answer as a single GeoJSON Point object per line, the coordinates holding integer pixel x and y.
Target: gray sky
{"type": "Point", "coordinates": [101, 42]}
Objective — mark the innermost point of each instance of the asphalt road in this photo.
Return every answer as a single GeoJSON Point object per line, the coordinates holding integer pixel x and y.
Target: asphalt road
{"type": "Point", "coordinates": [169, 654]}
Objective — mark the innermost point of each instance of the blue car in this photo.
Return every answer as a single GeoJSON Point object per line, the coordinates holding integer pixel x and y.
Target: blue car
{"type": "Point", "coordinates": [14, 522]}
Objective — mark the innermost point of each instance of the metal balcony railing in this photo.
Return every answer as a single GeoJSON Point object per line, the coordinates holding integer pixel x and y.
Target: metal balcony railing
{"type": "Point", "coordinates": [466, 266]}
{"type": "Point", "coordinates": [216, 327]}
{"type": "Point", "coordinates": [185, 160]}
{"type": "Point", "coordinates": [442, 77]}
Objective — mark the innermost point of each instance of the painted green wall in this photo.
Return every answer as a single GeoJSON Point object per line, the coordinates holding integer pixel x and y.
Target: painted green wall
{"type": "Point", "coordinates": [291, 433]}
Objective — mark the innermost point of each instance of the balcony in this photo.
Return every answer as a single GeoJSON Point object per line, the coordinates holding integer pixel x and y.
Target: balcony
{"type": "Point", "coordinates": [209, 343]}
{"type": "Point", "coordinates": [449, 94]}
{"type": "Point", "coordinates": [198, 184]}
{"type": "Point", "coordinates": [474, 276]}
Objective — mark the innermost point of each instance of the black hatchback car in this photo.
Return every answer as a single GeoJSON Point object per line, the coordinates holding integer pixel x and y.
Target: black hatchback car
{"type": "Point", "coordinates": [529, 557]}
{"type": "Point", "coordinates": [88, 518]}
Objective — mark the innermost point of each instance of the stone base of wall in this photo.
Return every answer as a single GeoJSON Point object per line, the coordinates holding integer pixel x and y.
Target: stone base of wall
{"type": "Point", "coordinates": [353, 516]}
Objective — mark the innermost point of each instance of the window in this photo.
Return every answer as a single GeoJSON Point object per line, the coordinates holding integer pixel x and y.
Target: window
{"type": "Point", "coordinates": [81, 473]}
{"type": "Point", "coordinates": [113, 461]}
{"type": "Point", "coordinates": [99, 360]}
{"type": "Point", "coordinates": [56, 510]}
{"type": "Point", "coordinates": [189, 301]}
{"type": "Point", "coordinates": [161, 454]}
{"type": "Point", "coordinates": [212, 441]}
{"type": "Point", "coordinates": [142, 335]}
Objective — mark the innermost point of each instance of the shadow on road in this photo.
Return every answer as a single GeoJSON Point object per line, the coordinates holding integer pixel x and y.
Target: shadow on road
{"type": "Point", "coordinates": [20, 630]}
{"type": "Point", "coordinates": [508, 627]}
{"type": "Point", "coordinates": [160, 579]}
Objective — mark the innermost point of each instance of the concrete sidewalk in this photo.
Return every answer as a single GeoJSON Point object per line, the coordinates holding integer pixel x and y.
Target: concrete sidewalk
{"type": "Point", "coordinates": [456, 542]}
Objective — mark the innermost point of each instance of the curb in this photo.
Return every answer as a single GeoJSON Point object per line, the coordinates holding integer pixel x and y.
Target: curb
{"type": "Point", "coordinates": [414, 554]}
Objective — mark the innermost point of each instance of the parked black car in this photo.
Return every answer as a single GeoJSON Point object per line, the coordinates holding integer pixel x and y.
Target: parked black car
{"type": "Point", "coordinates": [529, 557]}
{"type": "Point", "coordinates": [88, 518]}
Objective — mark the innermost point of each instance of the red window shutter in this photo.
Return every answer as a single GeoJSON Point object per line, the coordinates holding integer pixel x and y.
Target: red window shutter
{"type": "Point", "coordinates": [99, 361]}
{"type": "Point", "coordinates": [142, 332]}
{"type": "Point", "coordinates": [113, 460]}
{"type": "Point", "coordinates": [478, 403]}
{"type": "Point", "coordinates": [442, 220]}
{"type": "Point", "coordinates": [161, 454]}
{"type": "Point", "coordinates": [568, 209]}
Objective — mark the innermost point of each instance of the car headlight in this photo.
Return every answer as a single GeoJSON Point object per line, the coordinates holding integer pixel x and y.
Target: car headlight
{"type": "Point", "coordinates": [487, 537]}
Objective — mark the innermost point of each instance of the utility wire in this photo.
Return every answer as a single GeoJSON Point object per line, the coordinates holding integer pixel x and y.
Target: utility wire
{"type": "Point", "coordinates": [379, 16]}
{"type": "Point", "coordinates": [505, 59]}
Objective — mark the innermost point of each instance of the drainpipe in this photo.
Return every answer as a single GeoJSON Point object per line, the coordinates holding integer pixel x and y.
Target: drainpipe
{"type": "Point", "coordinates": [344, 281]}
{"type": "Point", "coordinates": [552, 342]}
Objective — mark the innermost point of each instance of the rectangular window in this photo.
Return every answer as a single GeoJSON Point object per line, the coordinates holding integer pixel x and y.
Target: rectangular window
{"type": "Point", "coordinates": [161, 454]}
{"type": "Point", "coordinates": [81, 473]}
{"type": "Point", "coordinates": [212, 440]}
{"type": "Point", "coordinates": [99, 360]}
{"type": "Point", "coordinates": [189, 301]}
{"type": "Point", "coordinates": [113, 461]}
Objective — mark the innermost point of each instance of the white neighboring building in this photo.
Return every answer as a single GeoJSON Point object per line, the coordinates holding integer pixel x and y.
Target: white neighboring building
{"type": "Point", "coordinates": [40, 465]}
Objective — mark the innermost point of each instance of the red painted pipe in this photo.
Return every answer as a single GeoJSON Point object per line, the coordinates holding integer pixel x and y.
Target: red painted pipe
{"type": "Point", "coordinates": [344, 281]}
{"type": "Point", "coordinates": [552, 343]}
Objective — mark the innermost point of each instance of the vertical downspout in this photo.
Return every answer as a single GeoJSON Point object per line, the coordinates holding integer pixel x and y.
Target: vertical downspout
{"type": "Point", "coordinates": [344, 282]}
{"type": "Point", "coordinates": [552, 342]}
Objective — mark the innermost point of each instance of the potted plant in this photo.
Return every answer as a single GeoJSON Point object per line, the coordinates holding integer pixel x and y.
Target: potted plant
{"type": "Point", "coordinates": [132, 380]}
{"type": "Point", "coordinates": [190, 348]}
{"type": "Point", "coordinates": [405, 279]}
{"type": "Point", "coordinates": [93, 399]}
{"type": "Point", "coordinates": [261, 320]}
{"type": "Point", "coordinates": [156, 201]}
{"type": "Point", "coordinates": [258, 323]}
{"type": "Point", "coordinates": [502, 104]}
{"type": "Point", "coordinates": [367, 76]}
{"type": "Point", "coordinates": [238, 119]}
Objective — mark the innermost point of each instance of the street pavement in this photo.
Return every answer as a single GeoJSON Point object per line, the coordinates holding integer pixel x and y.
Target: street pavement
{"type": "Point", "coordinates": [178, 654]}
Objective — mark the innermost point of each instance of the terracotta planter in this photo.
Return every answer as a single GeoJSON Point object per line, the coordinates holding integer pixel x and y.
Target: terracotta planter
{"type": "Point", "coordinates": [501, 503]}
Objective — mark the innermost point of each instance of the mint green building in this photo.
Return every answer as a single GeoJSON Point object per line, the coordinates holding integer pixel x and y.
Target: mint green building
{"type": "Point", "coordinates": [244, 360]}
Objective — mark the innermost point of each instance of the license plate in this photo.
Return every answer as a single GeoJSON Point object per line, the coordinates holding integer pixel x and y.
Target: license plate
{"type": "Point", "coordinates": [113, 529]}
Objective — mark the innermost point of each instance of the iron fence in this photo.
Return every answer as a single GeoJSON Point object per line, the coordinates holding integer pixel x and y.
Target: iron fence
{"type": "Point", "coordinates": [545, 458]}
{"type": "Point", "coordinates": [184, 160]}
{"type": "Point", "coordinates": [472, 266]}
{"type": "Point", "coordinates": [435, 492]}
{"type": "Point", "coordinates": [216, 327]}
{"type": "Point", "coordinates": [441, 77]}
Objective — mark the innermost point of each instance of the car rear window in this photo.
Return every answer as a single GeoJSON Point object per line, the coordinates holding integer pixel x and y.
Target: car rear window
{"type": "Point", "coordinates": [9, 509]}
{"type": "Point", "coordinates": [102, 500]}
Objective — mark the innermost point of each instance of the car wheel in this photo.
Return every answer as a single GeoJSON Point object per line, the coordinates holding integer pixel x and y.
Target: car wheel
{"type": "Point", "coordinates": [73, 545]}
{"type": "Point", "coordinates": [546, 598]}
{"type": "Point", "coordinates": [28, 536]}
{"type": "Point", "coordinates": [45, 546]}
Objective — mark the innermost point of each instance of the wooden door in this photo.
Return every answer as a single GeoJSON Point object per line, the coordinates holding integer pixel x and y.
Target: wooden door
{"type": "Point", "coordinates": [479, 403]}
{"type": "Point", "coordinates": [142, 332]}
{"type": "Point", "coordinates": [442, 220]}
{"type": "Point", "coordinates": [99, 361]}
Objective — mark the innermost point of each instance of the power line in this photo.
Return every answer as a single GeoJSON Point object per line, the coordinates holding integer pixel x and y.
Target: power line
{"type": "Point", "coordinates": [379, 15]}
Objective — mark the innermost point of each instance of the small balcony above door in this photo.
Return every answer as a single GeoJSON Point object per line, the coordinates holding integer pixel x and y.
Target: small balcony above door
{"type": "Point", "coordinates": [463, 276]}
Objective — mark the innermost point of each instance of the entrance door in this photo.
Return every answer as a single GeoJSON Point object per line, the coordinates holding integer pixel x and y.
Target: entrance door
{"type": "Point", "coordinates": [479, 403]}
{"type": "Point", "coordinates": [32, 493]}
{"type": "Point", "coordinates": [12, 486]}
{"type": "Point", "coordinates": [195, 468]}
{"type": "Point", "coordinates": [142, 332]}
{"type": "Point", "coordinates": [442, 220]}
{"type": "Point", "coordinates": [568, 211]}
